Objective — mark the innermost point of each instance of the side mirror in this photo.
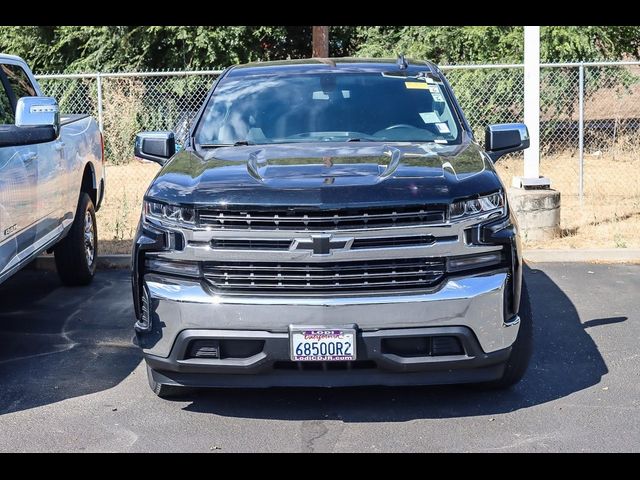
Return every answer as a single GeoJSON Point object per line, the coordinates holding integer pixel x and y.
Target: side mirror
{"type": "Point", "coordinates": [504, 138]}
{"type": "Point", "coordinates": [38, 112]}
{"type": "Point", "coordinates": [158, 147]}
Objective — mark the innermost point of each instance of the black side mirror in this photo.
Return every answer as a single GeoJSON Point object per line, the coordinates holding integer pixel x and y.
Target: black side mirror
{"type": "Point", "coordinates": [158, 147]}
{"type": "Point", "coordinates": [504, 138]}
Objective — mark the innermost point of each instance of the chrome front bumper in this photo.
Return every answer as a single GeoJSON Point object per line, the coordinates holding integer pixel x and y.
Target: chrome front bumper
{"type": "Point", "coordinates": [475, 302]}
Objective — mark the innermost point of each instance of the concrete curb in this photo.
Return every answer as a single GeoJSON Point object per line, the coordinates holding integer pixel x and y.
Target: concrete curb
{"type": "Point", "coordinates": [611, 255]}
{"type": "Point", "coordinates": [591, 255]}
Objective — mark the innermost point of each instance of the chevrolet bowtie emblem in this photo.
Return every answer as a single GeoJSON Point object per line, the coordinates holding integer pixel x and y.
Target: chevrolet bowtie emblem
{"type": "Point", "coordinates": [322, 244]}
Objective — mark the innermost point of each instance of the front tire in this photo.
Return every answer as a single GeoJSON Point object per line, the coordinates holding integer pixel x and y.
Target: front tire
{"type": "Point", "coordinates": [77, 254]}
{"type": "Point", "coordinates": [521, 350]}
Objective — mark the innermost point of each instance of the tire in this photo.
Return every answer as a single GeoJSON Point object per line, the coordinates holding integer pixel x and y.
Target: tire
{"type": "Point", "coordinates": [164, 391]}
{"type": "Point", "coordinates": [521, 350]}
{"type": "Point", "coordinates": [76, 255]}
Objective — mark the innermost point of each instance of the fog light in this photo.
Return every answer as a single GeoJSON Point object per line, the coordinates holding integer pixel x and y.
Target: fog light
{"type": "Point", "coordinates": [204, 349]}
{"type": "Point", "coordinates": [455, 264]}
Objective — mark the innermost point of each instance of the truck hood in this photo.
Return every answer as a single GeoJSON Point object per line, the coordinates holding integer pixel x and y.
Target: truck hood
{"type": "Point", "coordinates": [322, 175]}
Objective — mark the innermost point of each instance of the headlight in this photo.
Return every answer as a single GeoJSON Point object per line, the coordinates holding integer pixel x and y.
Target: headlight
{"type": "Point", "coordinates": [477, 206]}
{"type": "Point", "coordinates": [169, 213]}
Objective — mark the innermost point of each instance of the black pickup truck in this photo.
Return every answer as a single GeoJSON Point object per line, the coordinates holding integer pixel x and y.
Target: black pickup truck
{"type": "Point", "coordinates": [330, 222]}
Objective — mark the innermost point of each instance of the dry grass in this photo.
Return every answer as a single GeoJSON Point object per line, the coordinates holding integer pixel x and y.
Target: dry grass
{"type": "Point", "coordinates": [120, 212]}
{"type": "Point", "coordinates": [608, 218]}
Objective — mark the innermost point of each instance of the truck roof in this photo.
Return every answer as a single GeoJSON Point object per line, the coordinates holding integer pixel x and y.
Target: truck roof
{"type": "Point", "coordinates": [330, 65]}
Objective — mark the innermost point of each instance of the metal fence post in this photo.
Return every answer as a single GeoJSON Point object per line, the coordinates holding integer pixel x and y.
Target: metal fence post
{"type": "Point", "coordinates": [581, 129]}
{"type": "Point", "coordinates": [99, 86]}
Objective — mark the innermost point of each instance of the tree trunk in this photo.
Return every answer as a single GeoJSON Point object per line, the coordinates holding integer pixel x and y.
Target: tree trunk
{"type": "Point", "coordinates": [320, 42]}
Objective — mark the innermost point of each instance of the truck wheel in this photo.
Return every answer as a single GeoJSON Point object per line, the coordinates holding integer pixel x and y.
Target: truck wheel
{"type": "Point", "coordinates": [521, 350]}
{"type": "Point", "coordinates": [76, 254]}
{"type": "Point", "coordinates": [166, 391]}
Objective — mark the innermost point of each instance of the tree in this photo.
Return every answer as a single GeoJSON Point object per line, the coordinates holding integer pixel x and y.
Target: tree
{"type": "Point", "coordinates": [117, 48]}
{"type": "Point", "coordinates": [498, 44]}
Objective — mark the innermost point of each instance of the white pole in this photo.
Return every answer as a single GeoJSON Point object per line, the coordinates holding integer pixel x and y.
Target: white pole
{"type": "Point", "coordinates": [581, 129]}
{"type": "Point", "coordinates": [532, 100]}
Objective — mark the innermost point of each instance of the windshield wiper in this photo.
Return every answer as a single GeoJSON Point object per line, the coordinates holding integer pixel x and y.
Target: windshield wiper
{"type": "Point", "coordinates": [241, 143]}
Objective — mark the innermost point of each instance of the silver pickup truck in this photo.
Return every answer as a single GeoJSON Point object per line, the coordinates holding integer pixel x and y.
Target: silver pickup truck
{"type": "Point", "coordinates": [52, 179]}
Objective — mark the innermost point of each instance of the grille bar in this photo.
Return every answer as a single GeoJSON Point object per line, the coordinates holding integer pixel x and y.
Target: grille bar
{"type": "Point", "coordinates": [328, 276]}
{"type": "Point", "coordinates": [339, 267]}
{"type": "Point", "coordinates": [314, 220]}
{"type": "Point", "coordinates": [379, 275]}
{"type": "Point", "coordinates": [358, 243]}
{"type": "Point", "coordinates": [250, 244]}
{"type": "Point", "coordinates": [382, 242]}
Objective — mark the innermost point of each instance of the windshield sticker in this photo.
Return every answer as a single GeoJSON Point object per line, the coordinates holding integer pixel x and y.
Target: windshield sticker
{"type": "Point", "coordinates": [437, 97]}
{"type": "Point", "coordinates": [416, 85]}
{"type": "Point", "coordinates": [434, 88]}
{"type": "Point", "coordinates": [443, 127]}
{"type": "Point", "coordinates": [430, 117]}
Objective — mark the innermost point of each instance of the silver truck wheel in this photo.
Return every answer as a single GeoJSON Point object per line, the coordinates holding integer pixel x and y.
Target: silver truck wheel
{"type": "Point", "coordinates": [89, 237]}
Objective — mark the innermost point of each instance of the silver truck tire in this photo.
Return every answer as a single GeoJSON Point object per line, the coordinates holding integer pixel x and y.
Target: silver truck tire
{"type": "Point", "coordinates": [521, 350]}
{"type": "Point", "coordinates": [77, 254]}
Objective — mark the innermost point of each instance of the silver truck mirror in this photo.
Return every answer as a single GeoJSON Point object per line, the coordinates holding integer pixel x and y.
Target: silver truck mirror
{"type": "Point", "coordinates": [38, 112]}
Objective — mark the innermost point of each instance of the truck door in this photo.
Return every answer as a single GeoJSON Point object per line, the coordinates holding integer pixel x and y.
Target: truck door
{"type": "Point", "coordinates": [49, 161]}
{"type": "Point", "coordinates": [18, 179]}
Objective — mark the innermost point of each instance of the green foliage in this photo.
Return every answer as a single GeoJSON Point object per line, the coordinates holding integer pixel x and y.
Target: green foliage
{"type": "Point", "coordinates": [501, 44]}
{"type": "Point", "coordinates": [116, 48]}
{"type": "Point", "coordinates": [112, 48]}
{"type": "Point", "coordinates": [444, 45]}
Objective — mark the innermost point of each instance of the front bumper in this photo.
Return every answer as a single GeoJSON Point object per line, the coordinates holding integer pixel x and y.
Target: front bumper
{"type": "Point", "coordinates": [469, 308]}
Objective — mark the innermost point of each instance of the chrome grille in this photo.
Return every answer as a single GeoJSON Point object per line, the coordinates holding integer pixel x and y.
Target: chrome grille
{"type": "Point", "coordinates": [358, 243]}
{"type": "Point", "coordinates": [348, 219]}
{"type": "Point", "coordinates": [378, 275]}
{"type": "Point", "coordinates": [250, 244]}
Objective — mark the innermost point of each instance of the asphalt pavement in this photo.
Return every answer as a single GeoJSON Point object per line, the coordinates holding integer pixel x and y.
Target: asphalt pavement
{"type": "Point", "coordinates": [72, 380]}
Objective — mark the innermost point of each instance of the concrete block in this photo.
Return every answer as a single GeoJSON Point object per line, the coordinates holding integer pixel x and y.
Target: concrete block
{"type": "Point", "coordinates": [537, 211]}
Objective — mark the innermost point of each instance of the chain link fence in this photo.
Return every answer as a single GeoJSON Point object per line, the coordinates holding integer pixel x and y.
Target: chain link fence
{"type": "Point", "coordinates": [589, 142]}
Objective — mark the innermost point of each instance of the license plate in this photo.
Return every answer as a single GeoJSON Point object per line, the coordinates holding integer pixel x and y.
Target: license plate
{"type": "Point", "coordinates": [322, 344]}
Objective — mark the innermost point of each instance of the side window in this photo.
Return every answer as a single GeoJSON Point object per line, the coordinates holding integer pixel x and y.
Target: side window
{"type": "Point", "coordinates": [6, 111]}
{"type": "Point", "coordinates": [19, 81]}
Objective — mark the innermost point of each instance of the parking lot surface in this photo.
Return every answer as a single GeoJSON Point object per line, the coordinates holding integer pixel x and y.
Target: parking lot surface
{"type": "Point", "coordinates": [72, 380]}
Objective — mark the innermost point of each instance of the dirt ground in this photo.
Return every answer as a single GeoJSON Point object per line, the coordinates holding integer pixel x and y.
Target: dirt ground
{"type": "Point", "coordinates": [609, 216]}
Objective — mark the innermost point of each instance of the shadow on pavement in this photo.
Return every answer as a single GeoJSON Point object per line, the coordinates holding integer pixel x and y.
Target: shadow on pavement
{"type": "Point", "coordinates": [565, 361]}
{"type": "Point", "coordinates": [58, 342]}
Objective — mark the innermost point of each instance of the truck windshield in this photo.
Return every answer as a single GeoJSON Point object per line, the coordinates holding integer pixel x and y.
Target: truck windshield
{"type": "Point", "coordinates": [332, 107]}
